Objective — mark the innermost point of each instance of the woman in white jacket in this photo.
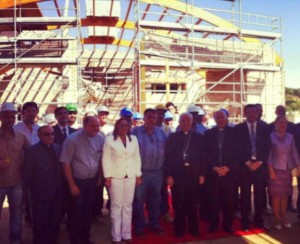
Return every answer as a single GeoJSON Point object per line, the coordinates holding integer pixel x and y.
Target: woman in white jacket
{"type": "Point", "coordinates": [122, 171]}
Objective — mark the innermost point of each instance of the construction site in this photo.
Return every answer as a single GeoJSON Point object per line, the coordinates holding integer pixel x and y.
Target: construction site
{"type": "Point", "coordinates": [139, 53]}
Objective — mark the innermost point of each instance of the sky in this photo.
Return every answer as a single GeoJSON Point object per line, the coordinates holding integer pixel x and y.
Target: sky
{"type": "Point", "coordinates": [289, 11]}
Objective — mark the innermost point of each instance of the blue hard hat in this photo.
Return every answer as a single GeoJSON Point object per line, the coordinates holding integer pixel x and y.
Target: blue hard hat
{"type": "Point", "coordinates": [225, 111]}
{"type": "Point", "coordinates": [137, 116]}
{"type": "Point", "coordinates": [126, 112]}
{"type": "Point", "coordinates": [168, 115]}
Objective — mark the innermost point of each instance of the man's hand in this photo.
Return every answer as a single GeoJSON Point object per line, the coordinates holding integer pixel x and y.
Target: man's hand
{"type": "Point", "coordinates": [74, 190]}
{"type": "Point", "coordinates": [170, 181]}
{"type": "Point", "coordinates": [272, 173]}
{"type": "Point", "coordinates": [108, 182]}
{"type": "Point", "coordinates": [4, 163]}
{"type": "Point", "coordinates": [138, 181]}
{"type": "Point", "coordinates": [253, 165]}
{"type": "Point", "coordinates": [223, 170]}
{"type": "Point", "coordinates": [201, 180]}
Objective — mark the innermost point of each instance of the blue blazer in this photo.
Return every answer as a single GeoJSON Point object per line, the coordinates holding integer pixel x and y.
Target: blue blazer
{"type": "Point", "coordinates": [40, 175]}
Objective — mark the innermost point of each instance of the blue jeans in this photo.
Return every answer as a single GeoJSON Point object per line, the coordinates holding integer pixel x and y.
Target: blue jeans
{"type": "Point", "coordinates": [148, 193]}
{"type": "Point", "coordinates": [14, 196]}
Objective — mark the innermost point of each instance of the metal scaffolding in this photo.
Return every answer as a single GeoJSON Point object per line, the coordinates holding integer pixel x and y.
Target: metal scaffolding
{"type": "Point", "coordinates": [138, 53]}
{"type": "Point", "coordinates": [221, 58]}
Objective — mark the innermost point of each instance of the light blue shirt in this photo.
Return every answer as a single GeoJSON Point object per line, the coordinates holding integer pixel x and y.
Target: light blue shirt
{"type": "Point", "coordinates": [83, 153]}
{"type": "Point", "coordinates": [152, 147]}
{"type": "Point", "coordinates": [31, 135]}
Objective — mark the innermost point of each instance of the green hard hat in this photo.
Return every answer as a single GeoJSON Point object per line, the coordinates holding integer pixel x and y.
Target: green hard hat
{"type": "Point", "coordinates": [71, 107]}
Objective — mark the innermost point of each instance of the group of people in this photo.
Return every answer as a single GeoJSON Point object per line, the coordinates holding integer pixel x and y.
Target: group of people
{"type": "Point", "coordinates": [56, 172]}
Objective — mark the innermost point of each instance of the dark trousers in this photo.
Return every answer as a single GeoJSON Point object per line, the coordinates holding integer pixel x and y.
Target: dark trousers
{"type": "Point", "coordinates": [256, 179]}
{"type": "Point", "coordinates": [184, 193]}
{"type": "Point", "coordinates": [164, 204]}
{"type": "Point", "coordinates": [298, 199]}
{"type": "Point", "coordinates": [203, 201]}
{"type": "Point", "coordinates": [99, 200]}
{"type": "Point", "coordinates": [81, 210]}
{"type": "Point", "coordinates": [66, 202]}
{"type": "Point", "coordinates": [46, 220]}
{"type": "Point", "coordinates": [27, 205]}
{"type": "Point", "coordinates": [221, 198]}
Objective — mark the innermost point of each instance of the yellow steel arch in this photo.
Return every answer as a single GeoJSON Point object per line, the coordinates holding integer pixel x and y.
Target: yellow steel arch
{"type": "Point", "coordinates": [199, 13]}
{"type": "Point", "coordinates": [204, 15]}
{"type": "Point", "coordinates": [11, 3]}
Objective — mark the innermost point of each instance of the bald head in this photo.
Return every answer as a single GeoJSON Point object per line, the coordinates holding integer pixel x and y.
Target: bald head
{"type": "Point", "coordinates": [185, 122]}
{"type": "Point", "coordinates": [221, 118]}
{"type": "Point", "coordinates": [91, 125]}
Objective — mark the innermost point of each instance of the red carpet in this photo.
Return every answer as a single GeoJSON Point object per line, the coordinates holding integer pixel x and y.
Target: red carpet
{"type": "Point", "coordinates": [168, 237]}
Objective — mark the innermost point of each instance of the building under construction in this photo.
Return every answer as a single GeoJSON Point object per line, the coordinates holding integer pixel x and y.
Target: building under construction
{"type": "Point", "coordinates": [139, 53]}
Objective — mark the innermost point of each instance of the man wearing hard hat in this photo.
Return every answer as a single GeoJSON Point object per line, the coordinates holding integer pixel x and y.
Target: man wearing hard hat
{"type": "Point", "coordinates": [12, 145]}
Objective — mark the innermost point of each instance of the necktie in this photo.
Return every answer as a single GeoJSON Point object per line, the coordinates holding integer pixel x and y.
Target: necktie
{"type": "Point", "coordinates": [253, 141]}
{"type": "Point", "coordinates": [65, 133]}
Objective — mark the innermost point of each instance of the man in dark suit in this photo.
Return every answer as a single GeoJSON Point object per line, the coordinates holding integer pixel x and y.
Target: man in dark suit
{"type": "Point", "coordinates": [42, 175]}
{"type": "Point", "coordinates": [221, 166]}
{"type": "Point", "coordinates": [61, 132]}
{"type": "Point", "coordinates": [281, 111]}
{"type": "Point", "coordinates": [252, 152]}
{"type": "Point", "coordinates": [185, 171]}
{"type": "Point", "coordinates": [61, 129]}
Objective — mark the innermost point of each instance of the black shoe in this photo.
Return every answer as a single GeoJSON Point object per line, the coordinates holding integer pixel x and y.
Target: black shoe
{"type": "Point", "coordinates": [212, 229]}
{"type": "Point", "coordinates": [227, 230]}
{"type": "Point", "coordinates": [266, 228]}
{"type": "Point", "coordinates": [128, 241]}
{"type": "Point", "coordinates": [139, 233]}
{"type": "Point", "coordinates": [245, 228]}
{"type": "Point", "coordinates": [178, 235]}
{"type": "Point", "coordinates": [263, 227]}
{"type": "Point", "coordinates": [292, 209]}
{"type": "Point", "coordinates": [195, 233]}
{"type": "Point", "coordinates": [158, 231]}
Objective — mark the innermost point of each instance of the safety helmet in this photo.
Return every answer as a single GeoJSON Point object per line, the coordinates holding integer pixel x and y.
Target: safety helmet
{"type": "Point", "coordinates": [71, 107]}
{"type": "Point", "coordinates": [126, 112]}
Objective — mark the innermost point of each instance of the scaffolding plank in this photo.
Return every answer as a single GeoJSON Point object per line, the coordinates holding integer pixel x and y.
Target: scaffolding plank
{"type": "Point", "coordinates": [41, 61]}
{"type": "Point", "coordinates": [206, 29]}
{"type": "Point", "coordinates": [40, 20]}
{"type": "Point", "coordinates": [204, 65]}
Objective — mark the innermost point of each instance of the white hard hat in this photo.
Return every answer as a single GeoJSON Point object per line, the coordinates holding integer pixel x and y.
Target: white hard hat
{"type": "Point", "coordinates": [90, 112]}
{"type": "Point", "coordinates": [193, 109]}
{"type": "Point", "coordinates": [8, 107]}
{"type": "Point", "coordinates": [201, 112]}
{"type": "Point", "coordinates": [49, 118]}
{"type": "Point", "coordinates": [102, 109]}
